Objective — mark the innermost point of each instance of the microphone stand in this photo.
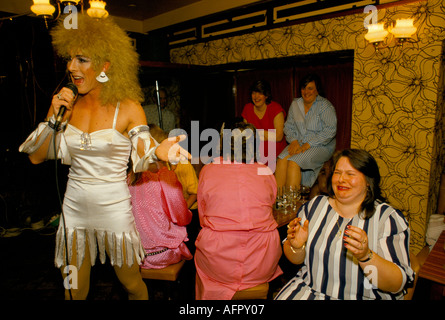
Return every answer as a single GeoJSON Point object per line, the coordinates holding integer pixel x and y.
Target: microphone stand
{"type": "Point", "coordinates": [159, 106]}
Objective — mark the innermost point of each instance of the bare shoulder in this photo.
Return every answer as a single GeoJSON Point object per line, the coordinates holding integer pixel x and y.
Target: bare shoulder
{"type": "Point", "coordinates": [131, 106]}
{"type": "Point", "coordinates": [131, 114]}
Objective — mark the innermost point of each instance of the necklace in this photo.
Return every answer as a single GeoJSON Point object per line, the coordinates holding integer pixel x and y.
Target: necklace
{"type": "Point", "coordinates": [339, 232]}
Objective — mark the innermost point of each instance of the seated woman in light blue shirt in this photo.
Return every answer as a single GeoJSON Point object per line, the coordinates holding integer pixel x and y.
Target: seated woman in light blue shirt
{"type": "Point", "coordinates": [310, 130]}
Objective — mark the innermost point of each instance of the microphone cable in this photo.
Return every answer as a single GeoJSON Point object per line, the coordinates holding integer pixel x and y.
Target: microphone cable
{"type": "Point", "coordinates": [61, 208]}
{"type": "Point", "coordinates": [62, 215]}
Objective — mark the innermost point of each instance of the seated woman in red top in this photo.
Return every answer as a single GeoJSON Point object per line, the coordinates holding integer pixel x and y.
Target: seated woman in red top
{"type": "Point", "coordinates": [266, 114]}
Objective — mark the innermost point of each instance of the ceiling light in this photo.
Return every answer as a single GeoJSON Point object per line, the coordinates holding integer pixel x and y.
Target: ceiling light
{"type": "Point", "coordinates": [97, 9]}
{"type": "Point", "coordinates": [43, 8]}
{"type": "Point", "coordinates": [68, 2]}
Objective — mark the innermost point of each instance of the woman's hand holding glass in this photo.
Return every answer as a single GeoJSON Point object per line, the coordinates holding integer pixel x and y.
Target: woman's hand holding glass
{"type": "Point", "coordinates": [356, 241]}
{"type": "Point", "coordinates": [297, 234]}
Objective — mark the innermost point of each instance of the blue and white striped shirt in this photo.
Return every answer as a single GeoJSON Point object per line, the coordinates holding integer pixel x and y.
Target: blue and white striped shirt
{"type": "Point", "coordinates": [318, 127]}
{"type": "Point", "coordinates": [330, 271]}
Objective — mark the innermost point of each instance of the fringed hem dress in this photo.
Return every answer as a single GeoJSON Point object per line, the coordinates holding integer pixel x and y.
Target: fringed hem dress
{"type": "Point", "coordinates": [97, 207]}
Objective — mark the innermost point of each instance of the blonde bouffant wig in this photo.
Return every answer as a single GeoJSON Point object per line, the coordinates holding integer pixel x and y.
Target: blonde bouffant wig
{"type": "Point", "coordinates": [102, 40]}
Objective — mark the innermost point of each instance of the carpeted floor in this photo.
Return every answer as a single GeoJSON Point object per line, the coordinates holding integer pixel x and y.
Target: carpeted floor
{"type": "Point", "coordinates": [27, 272]}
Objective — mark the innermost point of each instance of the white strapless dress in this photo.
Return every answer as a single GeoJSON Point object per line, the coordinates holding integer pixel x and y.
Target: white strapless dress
{"type": "Point", "coordinates": [97, 206]}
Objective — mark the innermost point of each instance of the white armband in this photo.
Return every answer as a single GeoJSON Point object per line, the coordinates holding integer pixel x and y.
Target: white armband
{"type": "Point", "coordinates": [142, 132]}
{"type": "Point", "coordinates": [38, 137]}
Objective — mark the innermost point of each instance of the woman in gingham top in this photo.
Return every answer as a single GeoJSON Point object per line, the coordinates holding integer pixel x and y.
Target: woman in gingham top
{"type": "Point", "coordinates": [310, 130]}
{"type": "Point", "coordinates": [351, 244]}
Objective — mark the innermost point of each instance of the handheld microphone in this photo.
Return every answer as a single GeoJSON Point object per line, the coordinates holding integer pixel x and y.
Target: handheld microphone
{"type": "Point", "coordinates": [62, 109]}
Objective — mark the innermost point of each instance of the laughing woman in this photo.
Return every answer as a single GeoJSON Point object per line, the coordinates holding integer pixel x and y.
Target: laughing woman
{"type": "Point", "coordinates": [310, 129]}
{"type": "Point", "coordinates": [102, 127]}
{"type": "Point", "coordinates": [267, 115]}
{"type": "Point", "coordinates": [351, 244]}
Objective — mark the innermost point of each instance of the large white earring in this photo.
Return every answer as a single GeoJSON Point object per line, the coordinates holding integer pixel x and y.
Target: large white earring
{"type": "Point", "coordinates": [102, 77]}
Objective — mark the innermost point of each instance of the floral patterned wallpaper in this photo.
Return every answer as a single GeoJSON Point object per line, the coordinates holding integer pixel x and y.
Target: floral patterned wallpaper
{"type": "Point", "coordinates": [398, 103]}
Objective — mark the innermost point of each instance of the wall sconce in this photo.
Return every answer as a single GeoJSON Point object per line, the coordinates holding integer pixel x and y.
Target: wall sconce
{"type": "Point", "coordinates": [376, 33]}
{"type": "Point", "coordinates": [46, 9]}
{"type": "Point", "coordinates": [402, 31]}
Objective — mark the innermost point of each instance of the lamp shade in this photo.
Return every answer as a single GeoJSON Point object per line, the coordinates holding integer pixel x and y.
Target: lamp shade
{"type": "Point", "coordinates": [42, 8]}
{"type": "Point", "coordinates": [404, 28]}
{"type": "Point", "coordinates": [376, 32]}
{"type": "Point", "coordinates": [97, 9]}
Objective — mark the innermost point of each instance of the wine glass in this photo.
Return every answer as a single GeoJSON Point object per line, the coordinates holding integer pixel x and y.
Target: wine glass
{"type": "Point", "coordinates": [279, 199]}
{"type": "Point", "coordinates": [285, 200]}
{"type": "Point", "coordinates": [304, 191]}
{"type": "Point", "coordinates": [295, 197]}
